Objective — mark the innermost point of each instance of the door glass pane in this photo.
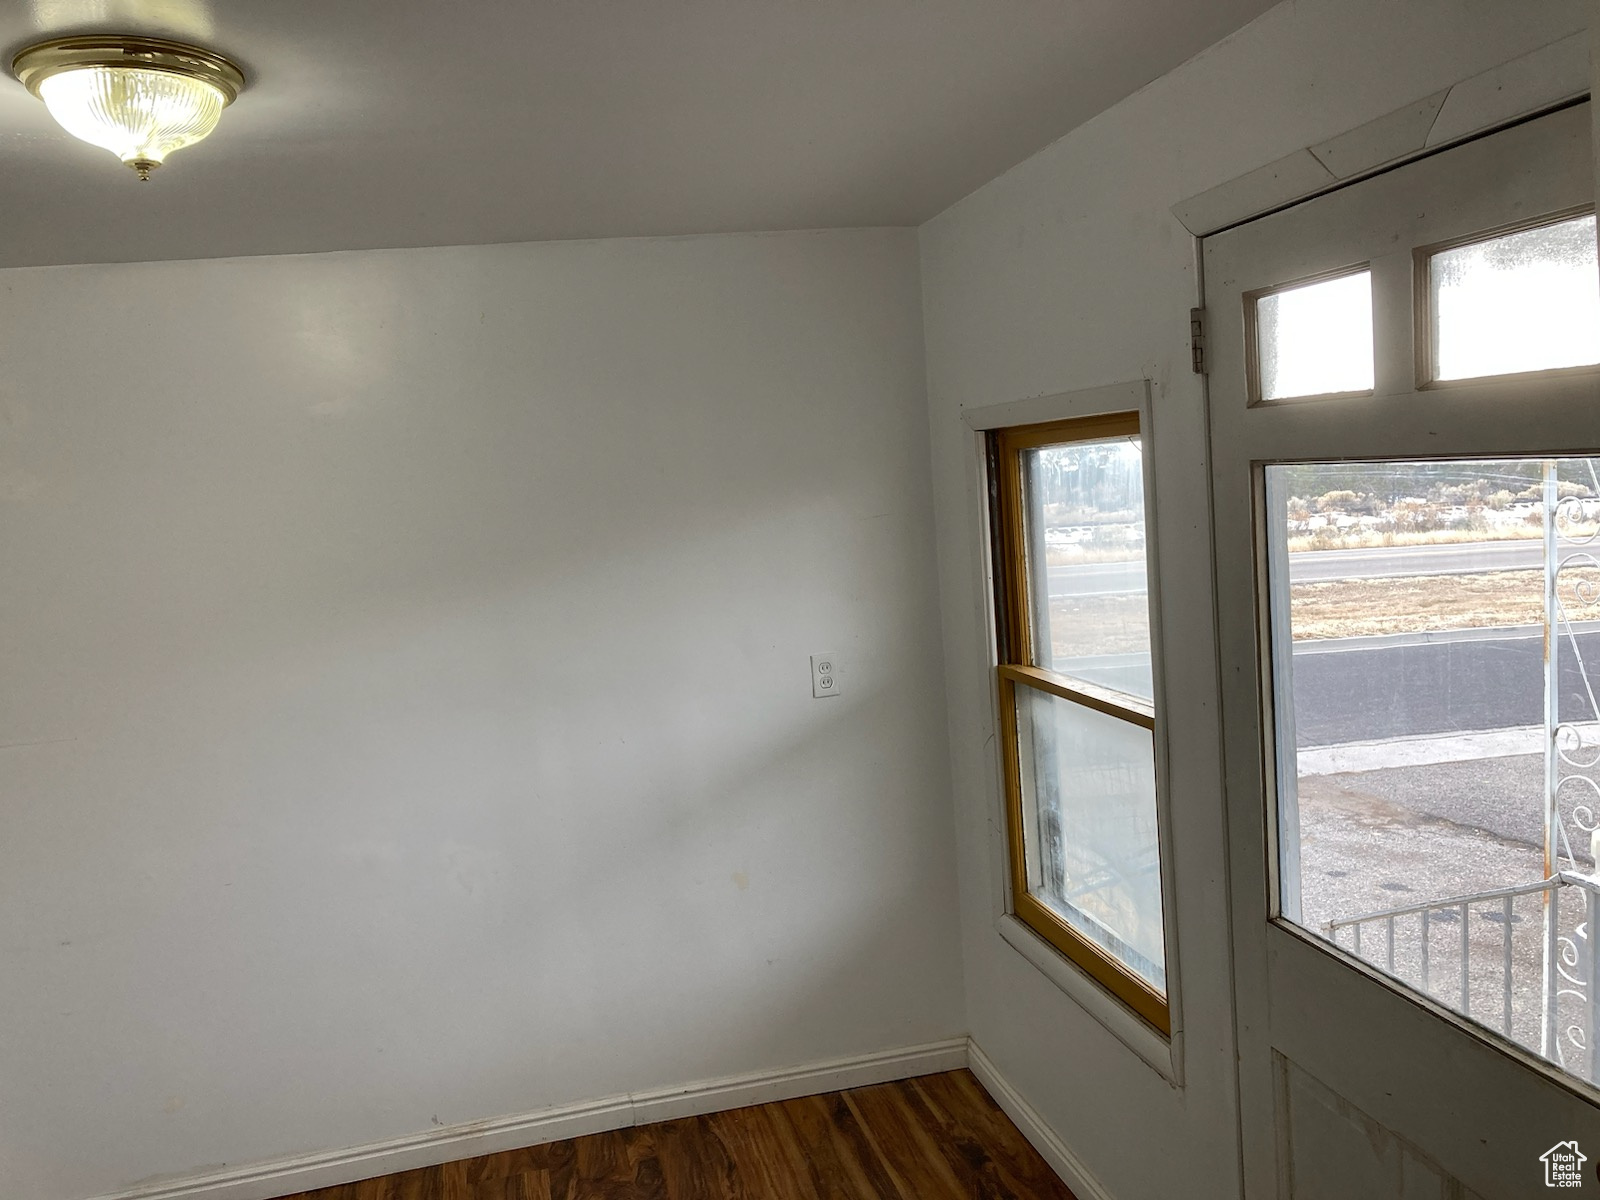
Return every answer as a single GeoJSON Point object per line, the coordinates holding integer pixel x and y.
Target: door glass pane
{"type": "Point", "coordinates": [1316, 339]}
{"type": "Point", "coordinates": [1527, 301]}
{"type": "Point", "coordinates": [1089, 817]}
{"type": "Point", "coordinates": [1439, 778]}
{"type": "Point", "coordinates": [1086, 562]}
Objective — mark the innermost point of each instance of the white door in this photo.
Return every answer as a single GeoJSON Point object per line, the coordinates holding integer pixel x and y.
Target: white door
{"type": "Point", "coordinates": [1405, 418]}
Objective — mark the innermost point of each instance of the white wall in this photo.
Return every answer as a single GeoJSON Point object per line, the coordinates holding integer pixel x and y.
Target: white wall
{"type": "Point", "coordinates": [1070, 272]}
{"type": "Point", "coordinates": [407, 715]}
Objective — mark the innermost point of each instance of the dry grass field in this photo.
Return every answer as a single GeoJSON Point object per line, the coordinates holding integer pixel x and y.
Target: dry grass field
{"type": "Point", "coordinates": [1415, 604]}
{"type": "Point", "coordinates": [1117, 624]}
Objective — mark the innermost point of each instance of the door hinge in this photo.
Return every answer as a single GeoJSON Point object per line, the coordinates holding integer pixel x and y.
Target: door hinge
{"type": "Point", "coordinates": [1197, 340]}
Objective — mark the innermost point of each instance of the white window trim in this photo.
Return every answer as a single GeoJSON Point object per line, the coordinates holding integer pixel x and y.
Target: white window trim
{"type": "Point", "coordinates": [1164, 1055]}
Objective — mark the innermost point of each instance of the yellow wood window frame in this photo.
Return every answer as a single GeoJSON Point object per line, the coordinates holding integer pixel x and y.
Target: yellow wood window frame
{"type": "Point", "coordinates": [1016, 669]}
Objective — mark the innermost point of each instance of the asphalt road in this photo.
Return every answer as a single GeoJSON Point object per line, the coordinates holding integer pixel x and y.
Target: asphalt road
{"type": "Point", "coordinates": [1312, 565]}
{"type": "Point", "coordinates": [1099, 579]}
{"type": "Point", "coordinates": [1400, 687]}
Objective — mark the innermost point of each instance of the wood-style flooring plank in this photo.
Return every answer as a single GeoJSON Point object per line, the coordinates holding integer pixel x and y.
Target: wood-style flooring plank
{"type": "Point", "coordinates": [909, 1152]}
{"type": "Point", "coordinates": [488, 1168]}
{"type": "Point", "coordinates": [937, 1137]}
{"type": "Point", "coordinates": [830, 1134]}
{"type": "Point", "coordinates": [341, 1191]}
{"type": "Point", "coordinates": [979, 1175]}
{"type": "Point", "coordinates": [1016, 1161]}
{"type": "Point", "coordinates": [525, 1185]}
{"type": "Point", "coordinates": [763, 1152]}
{"type": "Point", "coordinates": [560, 1162]}
{"type": "Point", "coordinates": [621, 1165]}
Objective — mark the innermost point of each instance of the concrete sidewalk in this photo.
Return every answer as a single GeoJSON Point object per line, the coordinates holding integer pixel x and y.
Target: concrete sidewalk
{"type": "Point", "coordinates": [1421, 751]}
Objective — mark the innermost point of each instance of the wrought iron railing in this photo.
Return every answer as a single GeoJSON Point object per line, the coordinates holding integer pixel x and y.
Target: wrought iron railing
{"type": "Point", "coordinates": [1554, 1012]}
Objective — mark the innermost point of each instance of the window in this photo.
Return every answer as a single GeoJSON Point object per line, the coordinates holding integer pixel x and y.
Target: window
{"type": "Point", "coordinates": [1528, 300]}
{"type": "Point", "coordinates": [1313, 338]}
{"type": "Point", "coordinates": [1434, 661]}
{"type": "Point", "coordinates": [1077, 712]}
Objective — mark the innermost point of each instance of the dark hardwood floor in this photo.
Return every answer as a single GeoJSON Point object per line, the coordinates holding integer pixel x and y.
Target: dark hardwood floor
{"type": "Point", "coordinates": [938, 1137]}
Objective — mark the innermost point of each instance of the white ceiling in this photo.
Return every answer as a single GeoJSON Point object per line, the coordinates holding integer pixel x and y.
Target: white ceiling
{"type": "Point", "coordinates": [372, 123]}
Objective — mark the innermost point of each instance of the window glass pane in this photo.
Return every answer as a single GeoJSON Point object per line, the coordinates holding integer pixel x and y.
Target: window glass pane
{"type": "Point", "coordinates": [1416, 758]}
{"type": "Point", "coordinates": [1527, 301]}
{"type": "Point", "coordinates": [1089, 818]}
{"type": "Point", "coordinates": [1086, 562]}
{"type": "Point", "coordinates": [1316, 339]}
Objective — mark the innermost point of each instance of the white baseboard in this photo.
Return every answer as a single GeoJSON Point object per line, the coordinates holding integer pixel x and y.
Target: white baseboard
{"type": "Point", "coordinates": [1065, 1163]}
{"type": "Point", "coordinates": [763, 1087]}
{"type": "Point", "coordinates": [262, 1181]}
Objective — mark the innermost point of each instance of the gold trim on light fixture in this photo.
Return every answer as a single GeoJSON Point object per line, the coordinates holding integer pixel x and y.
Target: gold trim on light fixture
{"type": "Point", "coordinates": [134, 114]}
{"type": "Point", "coordinates": [37, 63]}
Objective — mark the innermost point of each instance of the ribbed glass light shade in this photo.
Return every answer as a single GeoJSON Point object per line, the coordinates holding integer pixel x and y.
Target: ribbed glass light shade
{"type": "Point", "coordinates": [139, 115]}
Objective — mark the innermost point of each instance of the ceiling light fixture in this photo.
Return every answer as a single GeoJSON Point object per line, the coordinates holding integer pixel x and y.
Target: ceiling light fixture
{"type": "Point", "coordinates": [139, 97]}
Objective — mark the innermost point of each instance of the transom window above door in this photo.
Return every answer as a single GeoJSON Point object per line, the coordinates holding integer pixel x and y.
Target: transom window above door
{"type": "Point", "coordinates": [1527, 299]}
{"type": "Point", "coordinates": [1311, 338]}
{"type": "Point", "coordinates": [1491, 304]}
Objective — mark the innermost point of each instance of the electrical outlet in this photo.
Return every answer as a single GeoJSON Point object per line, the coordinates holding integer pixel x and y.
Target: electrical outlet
{"type": "Point", "coordinates": [824, 675]}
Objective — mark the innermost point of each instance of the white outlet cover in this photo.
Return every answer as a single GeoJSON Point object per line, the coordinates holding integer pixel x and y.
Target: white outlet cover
{"type": "Point", "coordinates": [824, 675]}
